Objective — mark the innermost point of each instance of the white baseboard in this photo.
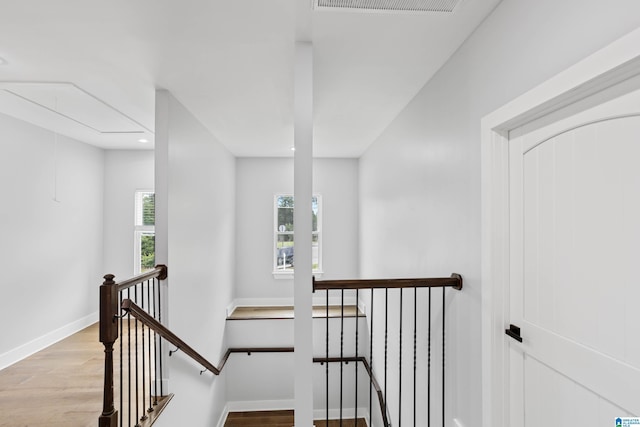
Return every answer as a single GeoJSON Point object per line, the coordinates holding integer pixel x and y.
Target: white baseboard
{"type": "Point", "coordinates": [260, 405]}
{"type": "Point", "coordinates": [33, 346]}
{"type": "Point", "coordinates": [223, 416]}
{"type": "Point", "coordinates": [257, 405]}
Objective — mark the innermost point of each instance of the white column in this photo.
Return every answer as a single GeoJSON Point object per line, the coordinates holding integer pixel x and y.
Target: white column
{"type": "Point", "coordinates": [303, 182]}
{"type": "Point", "coordinates": [161, 170]}
{"type": "Point", "coordinates": [161, 152]}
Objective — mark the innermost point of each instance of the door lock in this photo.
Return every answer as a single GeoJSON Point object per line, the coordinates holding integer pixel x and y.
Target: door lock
{"type": "Point", "coordinates": [514, 332]}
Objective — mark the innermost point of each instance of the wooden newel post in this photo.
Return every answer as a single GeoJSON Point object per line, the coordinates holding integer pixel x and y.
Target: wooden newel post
{"type": "Point", "coordinates": [108, 335]}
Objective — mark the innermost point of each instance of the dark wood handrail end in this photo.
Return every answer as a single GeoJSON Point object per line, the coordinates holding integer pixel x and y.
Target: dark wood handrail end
{"type": "Point", "coordinates": [158, 272]}
{"type": "Point", "coordinates": [163, 273]}
{"type": "Point", "coordinates": [458, 277]}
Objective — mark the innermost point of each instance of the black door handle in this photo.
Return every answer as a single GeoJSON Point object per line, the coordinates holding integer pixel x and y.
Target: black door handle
{"type": "Point", "coordinates": [514, 332]}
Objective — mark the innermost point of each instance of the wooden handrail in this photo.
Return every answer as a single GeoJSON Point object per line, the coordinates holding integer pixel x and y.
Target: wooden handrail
{"type": "Point", "coordinates": [376, 386]}
{"type": "Point", "coordinates": [148, 320]}
{"type": "Point", "coordinates": [159, 272]}
{"type": "Point", "coordinates": [455, 282]}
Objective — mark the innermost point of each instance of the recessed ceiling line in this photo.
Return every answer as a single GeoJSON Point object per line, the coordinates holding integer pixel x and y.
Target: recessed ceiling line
{"type": "Point", "coordinates": [122, 132]}
{"type": "Point", "coordinates": [113, 108]}
{"type": "Point", "coordinates": [26, 83]}
{"type": "Point", "coordinates": [51, 110]}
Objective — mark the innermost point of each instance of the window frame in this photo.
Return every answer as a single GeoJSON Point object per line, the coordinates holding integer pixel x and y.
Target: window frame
{"type": "Point", "coordinates": [288, 274]}
{"type": "Point", "coordinates": [140, 229]}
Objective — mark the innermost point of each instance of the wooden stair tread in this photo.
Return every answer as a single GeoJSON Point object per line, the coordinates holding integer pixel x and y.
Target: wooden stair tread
{"type": "Point", "coordinates": [286, 312]}
{"type": "Point", "coordinates": [279, 419]}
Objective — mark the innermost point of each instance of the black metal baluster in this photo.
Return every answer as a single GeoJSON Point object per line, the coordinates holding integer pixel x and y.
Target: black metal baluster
{"type": "Point", "coordinates": [121, 320]}
{"type": "Point", "coordinates": [135, 296]}
{"type": "Point", "coordinates": [371, 361]}
{"type": "Point", "coordinates": [400, 365]}
{"type": "Point", "coordinates": [429, 365]}
{"type": "Point", "coordinates": [415, 349]}
{"type": "Point", "coordinates": [160, 355]}
{"type": "Point", "coordinates": [150, 310]}
{"type": "Point", "coordinates": [327, 363]}
{"type": "Point", "coordinates": [443, 355]}
{"type": "Point", "coordinates": [386, 342]}
{"type": "Point", "coordinates": [341, 347]}
{"type": "Point", "coordinates": [144, 356]}
{"type": "Point", "coordinates": [355, 416]}
{"type": "Point", "coordinates": [155, 348]}
{"type": "Point", "coordinates": [129, 360]}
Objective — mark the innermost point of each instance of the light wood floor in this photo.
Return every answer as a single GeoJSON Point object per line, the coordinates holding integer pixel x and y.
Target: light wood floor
{"type": "Point", "coordinates": [58, 386]}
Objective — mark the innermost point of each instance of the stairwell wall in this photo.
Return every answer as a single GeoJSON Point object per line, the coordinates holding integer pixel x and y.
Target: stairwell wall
{"type": "Point", "coordinates": [195, 232]}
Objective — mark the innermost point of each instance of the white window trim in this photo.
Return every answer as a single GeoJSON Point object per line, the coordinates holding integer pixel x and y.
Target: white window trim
{"type": "Point", "coordinates": [139, 230]}
{"type": "Point", "coordinates": [286, 275]}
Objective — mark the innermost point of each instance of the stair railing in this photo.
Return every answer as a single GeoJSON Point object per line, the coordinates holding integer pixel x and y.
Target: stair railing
{"type": "Point", "coordinates": [380, 291]}
{"type": "Point", "coordinates": [131, 326]}
{"type": "Point", "coordinates": [134, 376]}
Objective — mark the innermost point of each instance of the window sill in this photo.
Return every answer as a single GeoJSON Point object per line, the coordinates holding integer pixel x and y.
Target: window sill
{"type": "Point", "coordinates": [288, 275]}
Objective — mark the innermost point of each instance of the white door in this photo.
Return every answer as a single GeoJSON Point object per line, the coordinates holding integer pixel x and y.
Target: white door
{"type": "Point", "coordinates": [575, 268]}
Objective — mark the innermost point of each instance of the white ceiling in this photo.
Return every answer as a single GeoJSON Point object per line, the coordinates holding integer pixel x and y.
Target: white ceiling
{"type": "Point", "coordinates": [89, 68]}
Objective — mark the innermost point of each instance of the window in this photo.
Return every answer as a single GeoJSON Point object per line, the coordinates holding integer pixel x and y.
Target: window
{"type": "Point", "coordinates": [283, 258]}
{"type": "Point", "coordinates": [145, 235]}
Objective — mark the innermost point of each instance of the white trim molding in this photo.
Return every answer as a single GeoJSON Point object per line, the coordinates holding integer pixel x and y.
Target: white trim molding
{"type": "Point", "coordinates": [617, 65]}
{"type": "Point", "coordinates": [223, 416]}
{"type": "Point", "coordinates": [17, 354]}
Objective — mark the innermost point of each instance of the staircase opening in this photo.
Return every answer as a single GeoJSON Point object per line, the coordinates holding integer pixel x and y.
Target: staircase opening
{"type": "Point", "coordinates": [378, 362]}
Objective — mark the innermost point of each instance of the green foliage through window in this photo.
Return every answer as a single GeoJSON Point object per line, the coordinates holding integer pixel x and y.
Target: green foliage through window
{"type": "Point", "coordinates": [149, 209]}
{"type": "Point", "coordinates": [147, 251]}
{"type": "Point", "coordinates": [145, 240]}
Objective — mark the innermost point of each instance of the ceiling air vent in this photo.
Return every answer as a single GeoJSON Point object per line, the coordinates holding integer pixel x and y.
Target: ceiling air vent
{"type": "Point", "coordinates": [389, 5]}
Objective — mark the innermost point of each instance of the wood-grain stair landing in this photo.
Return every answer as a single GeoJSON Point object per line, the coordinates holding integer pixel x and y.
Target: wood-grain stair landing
{"type": "Point", "coordinates": [279, 419]}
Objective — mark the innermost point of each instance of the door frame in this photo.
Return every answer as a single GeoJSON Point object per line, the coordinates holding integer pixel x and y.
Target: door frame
{"type": "Point", "coordinates": [612, 65]}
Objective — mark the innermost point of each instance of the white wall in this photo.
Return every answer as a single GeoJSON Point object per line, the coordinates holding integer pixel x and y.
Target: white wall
{"type": "Point", "coordinates": [50, 251]}
{"type": "Point", "coordinates": [200, 232]}
{"type": "Point", "coordinates": [125, 172]}
{"type": "Point", "coordinates": [266, 381]}
{"type": "Point", "coordinates": [420, 181]}
{"type": "Point", "coordinates": [258, 181]}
